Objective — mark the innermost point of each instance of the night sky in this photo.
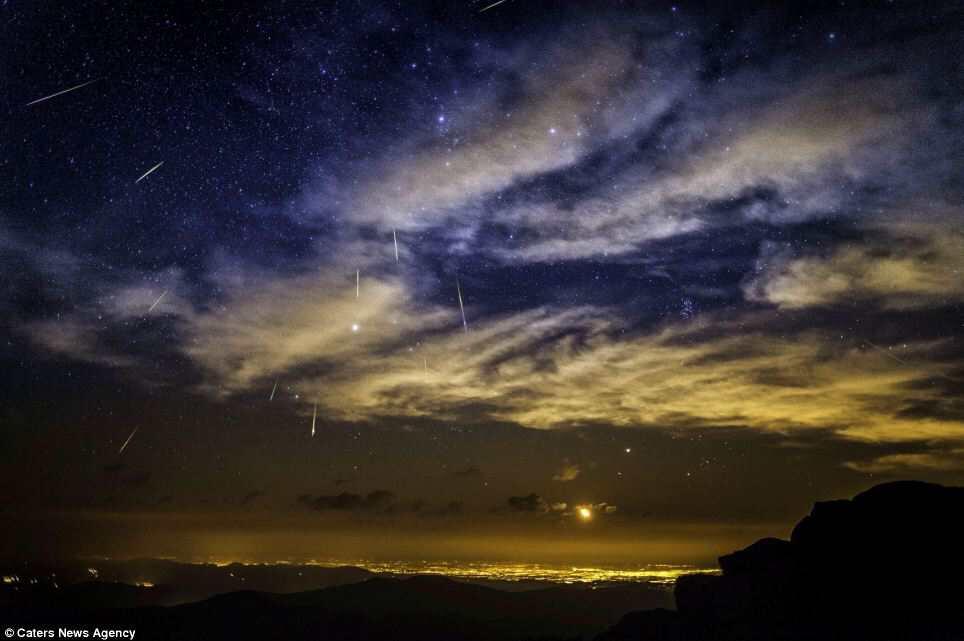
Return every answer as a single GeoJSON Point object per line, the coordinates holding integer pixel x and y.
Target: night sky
{"type": "Point", "coordinates": [709, 265]}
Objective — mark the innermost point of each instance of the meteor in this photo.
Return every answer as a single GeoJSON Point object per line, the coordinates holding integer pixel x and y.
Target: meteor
{"type": "Point", "coordinates": [494, 4]}
{"type": "Point", "coordinates": [273, 390]}
{"type": "Point", "coordinates": [458, 288]}
{"type": "Point", "coordinates": [887, 353]}
{"type": "Point", "coordinates": [893, 357]}
{"type": "Point", "coordinates": [314, 417]}
{"type": "Point", "coordinates": [395, 240]}
{"type": "Point", "coordinates": [121, 450]}
{"type": "Point", "coordinates": [60, 93]}
{"type": "Point", "coordinates": [163, 294]}
{"type": "Point", "coordinates": [148, 172]}
{"type": "Point", "coordinates": [357, 283]}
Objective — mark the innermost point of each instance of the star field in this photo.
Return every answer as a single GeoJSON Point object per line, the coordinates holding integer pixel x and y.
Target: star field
{"type": "Point", "coordinates": [638, 280]}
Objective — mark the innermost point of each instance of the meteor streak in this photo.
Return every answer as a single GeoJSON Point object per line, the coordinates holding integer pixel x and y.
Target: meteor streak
{"type": "Point", "coordinates": [494, 4]}
{"type": "Point", "coordinates": [395, 240]}
{"type": "Point", "coordinates": [893, 357]}
{"type": "Point", "coordinates": [314, 417]}
{"type": "Point", "coordinates": [148, 172]}
{"type": "Point", "coordinates": [887, 353]}
{"type": "Point", "coordinates": [357, 283]}
{"type": "Point", "coordinates": [163, 294]}
{"type": "Point", "coordinates": [273, 390]}
{"type": "Point", "coordinates": [60, 93]}
{"type": "Point", "coordinates": [121, 450]}
{"type": "Point", "coordinates": [458, 288]}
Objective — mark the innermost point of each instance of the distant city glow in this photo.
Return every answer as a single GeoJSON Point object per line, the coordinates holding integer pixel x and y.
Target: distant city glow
{"type": "Point", "coordinates": [515, 572]}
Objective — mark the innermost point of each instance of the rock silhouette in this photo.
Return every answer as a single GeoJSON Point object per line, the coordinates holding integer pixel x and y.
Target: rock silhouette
{"type": "Point", "coordinates": [885, 565]}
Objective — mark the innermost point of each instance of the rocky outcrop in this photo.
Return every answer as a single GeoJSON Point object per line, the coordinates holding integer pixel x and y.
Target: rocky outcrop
{"type": "Point", "coordinates": [884, 565]}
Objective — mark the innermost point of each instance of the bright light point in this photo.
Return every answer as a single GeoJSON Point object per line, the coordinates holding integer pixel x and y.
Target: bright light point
{"type": "Point", "coordinates": [628, 450]}
{"type": "Point", "coordinates": [585, 513]}
{"type": "Point", "coordinates": [355, 327]}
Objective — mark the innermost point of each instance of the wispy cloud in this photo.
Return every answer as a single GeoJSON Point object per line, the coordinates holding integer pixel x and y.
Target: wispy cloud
{"type": "Point", "coordinates": [561, 101]}
{"type": "Point", "coordinates": [950, 460]}
{"type": "Point", "coordinates": [568, 472]}
{"type": "Point", "coordinates": [782, 163]}
{"type": "Point", "coordinates": [546, 368]}
{"type": "Point", "coordinates": [270, 326]}
{"type": "Point", "coordinates": [902, 268]}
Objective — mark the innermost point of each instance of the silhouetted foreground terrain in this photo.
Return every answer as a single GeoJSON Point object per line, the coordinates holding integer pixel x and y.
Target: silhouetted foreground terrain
{"type": "Point", "coordinates": [380, 608]}
{"type": "Point", "coordinates": [170, 582]}
{"type": "Point", "coordinates": [885, 565]}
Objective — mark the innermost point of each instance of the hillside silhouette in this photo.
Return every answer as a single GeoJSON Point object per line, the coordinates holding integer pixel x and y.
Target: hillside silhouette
{"type": "Point", "coordinates": [885, 565]}
{"type": "Point", "coordinates": [421, 607]}
{"type": "Point", "coordinates": [121, 583]}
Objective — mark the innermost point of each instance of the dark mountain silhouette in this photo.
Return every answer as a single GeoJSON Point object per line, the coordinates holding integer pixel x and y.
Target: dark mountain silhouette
{"type": "Point", "coordinates": [174, 583]}
{"type": "Point", "coordinates": [87, 595]}
{"type": "Point", "coordinates": [885, 565]}
{"type": "Point", "coordinates": [422, 607]}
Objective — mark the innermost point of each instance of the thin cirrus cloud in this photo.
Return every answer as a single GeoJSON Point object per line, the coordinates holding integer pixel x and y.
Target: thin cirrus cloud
{"type": "Point", "coordinates": [558, 105]}
{"type": "Point", "coordinates": [800, 148]}
{"type": "Point", "coordinates": [949, 460]}
{"type": "Point", "coordinates": [128, 305]}
{"type": "Point", "coordinates": [911, 267]}
{"type": "Point", "coordinates": [547, 369]}
{"type": "Point", "coordinates": [808, 145]}
{"type": "Point", "coordinates": [544, 368]}
{"type": "Point", "coordinates": [275, 326]}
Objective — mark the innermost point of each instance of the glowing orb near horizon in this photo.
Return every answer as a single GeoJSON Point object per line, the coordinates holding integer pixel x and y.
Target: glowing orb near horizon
{"type": "Point", "coordinates": [355, 327]}
{"type": "Point", "coordinates": [584, 513]}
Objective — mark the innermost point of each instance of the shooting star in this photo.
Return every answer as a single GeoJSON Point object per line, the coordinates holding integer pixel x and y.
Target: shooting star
{"type": "Point", "coordinates": [458, 288]}
{"type": "Point", "coordinates": [60, 93]}
{"type": "Point", "coordinates": [148, 172]}
{"type": "Point", "coordinates": [273, 390]}
{"type": "Point", "coordinates": [163, 294]}
{"type": "Point", "coordinates": [121, 450]}
{"type": "Point", "coordinates": [886, 352]}
{"type": "Point", "coordinates": [314, 418]}
{"type": "Point", "coordinates": [395, 240]}
{"type": "Point", "coordinates": [494, 4]}
{"type": "Point", "coordinates": [357, 283]}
